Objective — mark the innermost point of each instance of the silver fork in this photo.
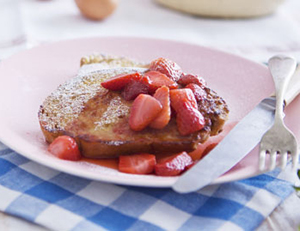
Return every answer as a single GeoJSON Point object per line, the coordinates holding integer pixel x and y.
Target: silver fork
{"type": "Point", "coordinates": [279, 140]}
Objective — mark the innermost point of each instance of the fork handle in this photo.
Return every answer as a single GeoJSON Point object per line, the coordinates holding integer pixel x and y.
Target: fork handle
{"type": "Point", "coordinates": [293, 88]}
{"type": "Point", "coordinates": [282, 68]}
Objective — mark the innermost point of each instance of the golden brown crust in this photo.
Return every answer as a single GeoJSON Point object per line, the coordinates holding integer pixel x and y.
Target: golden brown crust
{"type": "Point", "coordinates": [91, 148]}
{"type": "Point", "coordinates": [215, 111]}
{"type": "Point", "coordinates": [98, 119]}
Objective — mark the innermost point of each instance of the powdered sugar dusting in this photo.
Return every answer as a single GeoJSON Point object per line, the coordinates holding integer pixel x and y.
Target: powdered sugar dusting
{"type": "Point", "coordinates": [116, 110]}
{"type": "Point", "coordinates": [68, 100]}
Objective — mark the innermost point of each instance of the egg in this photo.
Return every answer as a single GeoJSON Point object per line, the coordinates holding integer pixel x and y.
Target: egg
{"type": "Point", "coordinates": [96, 9]}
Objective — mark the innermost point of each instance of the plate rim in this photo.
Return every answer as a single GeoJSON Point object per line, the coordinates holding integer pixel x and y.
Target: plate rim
{"type": "Point", "coordinates": [170, 180]}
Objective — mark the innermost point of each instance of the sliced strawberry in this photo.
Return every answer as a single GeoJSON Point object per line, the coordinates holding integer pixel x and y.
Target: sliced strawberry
{"type": "Point", "coordinates": [134, 88]}
{"type": "Point", "coordinates": [198, 153]}
{"type": "Point", "coordinates": [188, 117]}
{"type": "Point", "coordinates": [167, 67]}
{"type": "Point", "coordinates": [189, 120]}
{"type": "Point", "coordinates": [186, 79]}
{"type": "Point", "coordinates": [209, 148]}
{"type": "Point", "coordinates": [173, 165]}
{"type": "Point", "coordinates": [137, 164]}
{"type": "Point", "coordinates": [163, 118]}
{"type": "Point", "coordinates": [198, 91]}
{"type": "Point", "coordinates": [65, 147]}
{"type": "Point", "coordinates": [179, 97]}
{"type": "Point", "coordinates": [203, 149]}
{"type": "Point", "coordinates": [144, 110]}
{"type": "Point", "coordinates": [120, 81]}
{"type": "Point", "coordinates": [191, 165]}
{"type": "Point", "coordinates": [157, 80]}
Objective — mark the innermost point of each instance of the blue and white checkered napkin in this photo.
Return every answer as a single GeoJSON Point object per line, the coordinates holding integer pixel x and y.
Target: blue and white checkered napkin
{"type": "Point", "coordinates": [63, 202]}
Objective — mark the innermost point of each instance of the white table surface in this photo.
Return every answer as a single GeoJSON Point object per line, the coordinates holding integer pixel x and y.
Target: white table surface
{"type": "Point", "coordinates": [257, 39]}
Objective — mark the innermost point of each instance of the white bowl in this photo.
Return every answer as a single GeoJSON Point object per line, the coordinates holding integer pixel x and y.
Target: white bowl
{"type": "Point", "coordinates": [224, 8]}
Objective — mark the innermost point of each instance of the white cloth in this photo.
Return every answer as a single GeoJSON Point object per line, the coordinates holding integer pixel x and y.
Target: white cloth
{"type": "Point", "coordinates": [257, 39]}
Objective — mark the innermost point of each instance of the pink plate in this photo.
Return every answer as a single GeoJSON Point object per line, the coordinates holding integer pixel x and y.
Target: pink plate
{"type": "Point", "coordinates": [28, 77]}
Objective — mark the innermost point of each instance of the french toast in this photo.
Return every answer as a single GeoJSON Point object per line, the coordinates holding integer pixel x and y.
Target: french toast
{"type": "Point", "coordinates": [97, 118]}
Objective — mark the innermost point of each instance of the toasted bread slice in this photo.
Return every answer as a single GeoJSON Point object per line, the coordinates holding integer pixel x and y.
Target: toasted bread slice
{"type": "Point", "coordinates": [98, 118]}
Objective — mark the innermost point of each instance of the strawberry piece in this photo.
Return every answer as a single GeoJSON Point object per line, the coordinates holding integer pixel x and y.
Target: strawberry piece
{"type": "Point", "coordinates": [189, 120]}
{"type": "Point", "coordinates": [198, 91]}
{"type": "Point", "coordinates": [191, 165]}
{"type": "Point", "coordinates": [65, 147]}
{"type": "Point", "coordinates": [157, 80]}
{"type": "Point", "coordinates": [137, 164]}
{"type": "Point", "coordinates": [144, 110]}
{"type": "Point", "coordinates": [209, 148]}
{"type": "Point", "coordinates": [173, 165]}
{"type": "Point", "coordinates": [120, 81]}
{"type": "Point", "coordinates": [188, 117]}
{"type": "Point", "coordinates": [198, 153]}
{"type": "Point", "coordinates": [179, 97]}
{"type": "Point", "coordinates": [134, 88]}
{"type": "Point", "coordinates": [186, 79]}
{"type": "Point", "coordinates": [167, 67]}
{"type": "Point", "coordinates": [163, 118]}
{"type": "Point", "coordinates": [203, 149]}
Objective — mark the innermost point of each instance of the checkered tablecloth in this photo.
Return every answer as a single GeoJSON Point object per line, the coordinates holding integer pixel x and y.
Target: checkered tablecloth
{"type": "Point", "coordinates": [60, 201]}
